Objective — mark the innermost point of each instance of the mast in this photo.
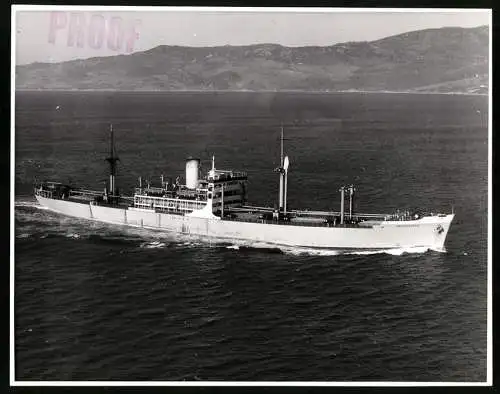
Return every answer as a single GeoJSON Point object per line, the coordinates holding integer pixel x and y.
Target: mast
{"type": "Point", "coordinates": [281, 193]}
{"type": "Point", "coordinates": [112, 159]}
{"type": "Point", "coordinates": [212, 171]}
{"type": "Point", "coordinates": [351, 194]}
{"type": "Point", "coordinates": [286, 163]}
{"type": "Point", "coordinates": [222, 202]}
{"type": "Point", "coordinates": [342, 190]}
{"type": "Point", "coordinates": [281, 157]}
{"type": "Point", "coordinates": [282, 169]}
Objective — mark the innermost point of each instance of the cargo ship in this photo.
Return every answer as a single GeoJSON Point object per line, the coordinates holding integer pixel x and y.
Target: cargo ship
{"type": "Point", "coordinates": [214, 206]}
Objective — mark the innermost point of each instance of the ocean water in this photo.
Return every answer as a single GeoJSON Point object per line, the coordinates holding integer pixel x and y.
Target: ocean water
{"type": "Point", "coordinates": [101, 302]}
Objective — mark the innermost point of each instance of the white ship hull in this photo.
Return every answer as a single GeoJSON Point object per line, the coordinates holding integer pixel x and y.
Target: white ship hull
{"type": "Point", "coordinates": [429, 232]}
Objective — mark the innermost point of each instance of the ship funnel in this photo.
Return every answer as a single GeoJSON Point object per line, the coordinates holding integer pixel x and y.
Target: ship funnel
{"type": "Point", "coordinates": [192, 169]}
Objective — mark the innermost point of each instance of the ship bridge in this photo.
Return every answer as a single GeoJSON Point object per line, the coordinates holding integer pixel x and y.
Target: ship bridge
{"type": "Point", "coordinates": [226, 188]}
{"type": "Point", "coordinates": [226, 175]}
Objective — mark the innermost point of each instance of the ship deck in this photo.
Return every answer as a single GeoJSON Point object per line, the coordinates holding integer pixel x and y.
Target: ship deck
{"type": "Point", "coordinates": [256, 214]}
{"type": "Point", "coordinates": [264, 215]}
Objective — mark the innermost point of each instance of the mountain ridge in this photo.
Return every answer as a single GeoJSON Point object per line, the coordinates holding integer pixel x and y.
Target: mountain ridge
{"type": "Point", "coordinates": [443, 60]}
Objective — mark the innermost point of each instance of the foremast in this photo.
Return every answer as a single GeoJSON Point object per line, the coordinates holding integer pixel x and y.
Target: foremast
{"type": "Point", "coordinates": [112, 159]}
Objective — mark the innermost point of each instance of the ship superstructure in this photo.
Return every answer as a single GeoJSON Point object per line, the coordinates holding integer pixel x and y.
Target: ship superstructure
{"type": "Point", "coordinates": [214, 204]}
{"type": "Point", "coordinates": [211, 196]}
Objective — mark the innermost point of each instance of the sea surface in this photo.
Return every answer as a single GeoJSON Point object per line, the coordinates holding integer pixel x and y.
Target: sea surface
{"type": "Point", "coordinates": [101, 302]}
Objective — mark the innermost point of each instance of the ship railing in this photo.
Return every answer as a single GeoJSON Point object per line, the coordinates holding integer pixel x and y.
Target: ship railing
{"type": "Point", "coordinates": [144, 190]}
{"type": "Point", "coordinates": [84, 192]}
{"type": "Point", "coordinates": [249, 208]}
{"type": "Point", "coordinates": [183, 194]}
{"type": "Point", "coordinates": [230, 172]}
{"type": "Point", "coordinates": [222, 175]}
{"type": "Point", "coordinates": [239, 174]}
{"type": "Point", "coordinates": [43, 193]}
{"type": "Point", "coordinates": [184, 207]}
{"type": "Point", "coordinates": [169, 211]}
{"type": "Point", "coordinates": [334, 213]}
{"type": "Point", "coordinates": [164, 200]}
{"type": "Point", "coordinates": [291, 223]}
{"type": "Point", "coordinates": [153, 189]}
{"type": "Point", "coordinates": [171, 204]}
{"type": "Point", "coordinates": [47, 184]}
{"type": "Point", "coordinates": [406, 216]}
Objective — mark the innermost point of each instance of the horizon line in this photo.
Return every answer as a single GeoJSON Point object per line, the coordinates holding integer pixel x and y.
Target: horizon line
{"type": "Point", "coordinates": [251, 91]}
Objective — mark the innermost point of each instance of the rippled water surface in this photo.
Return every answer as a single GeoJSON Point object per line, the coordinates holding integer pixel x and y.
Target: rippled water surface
{"type": "Point", "coordinates": [102, 302]}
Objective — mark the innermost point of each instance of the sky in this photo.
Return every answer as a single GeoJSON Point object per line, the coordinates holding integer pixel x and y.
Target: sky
{"type": "Point", "coordinates": [60, 34]}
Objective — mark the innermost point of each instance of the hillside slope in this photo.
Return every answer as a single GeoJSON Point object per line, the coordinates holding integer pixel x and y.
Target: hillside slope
{"type": "Point", "coordinates": [433, 60]}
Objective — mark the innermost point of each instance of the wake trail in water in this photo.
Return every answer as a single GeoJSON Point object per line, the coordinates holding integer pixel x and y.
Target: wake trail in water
{"type": "Point", "coordinates": [30, 204]}
{"type": "Point", "coordinates": [309, 251]}
{"type": "Point", "coordinates": [153, 245]}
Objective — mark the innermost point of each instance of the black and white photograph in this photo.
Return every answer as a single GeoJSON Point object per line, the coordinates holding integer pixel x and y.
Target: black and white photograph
{"type": "Point", "coordinates": [252, 196]}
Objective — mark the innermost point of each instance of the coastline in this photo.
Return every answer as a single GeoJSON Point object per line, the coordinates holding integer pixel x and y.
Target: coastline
{"type": "Point", "coordinates": [252, 91]}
